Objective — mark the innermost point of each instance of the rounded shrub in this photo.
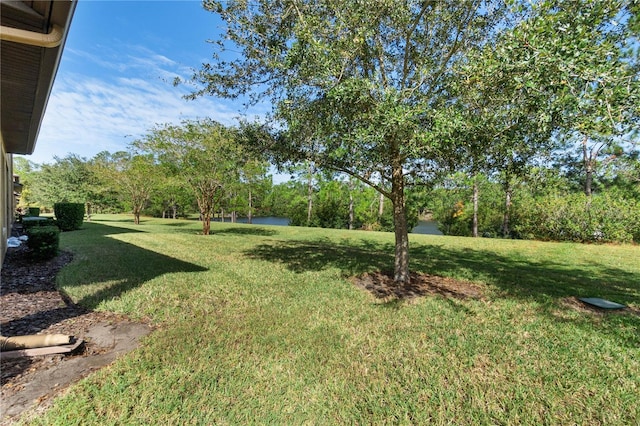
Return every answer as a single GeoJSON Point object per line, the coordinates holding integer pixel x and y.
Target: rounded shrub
{"type": "Point", "coordinates": [69, 216]}
{"type": "Point", "coordinates": [43, 241]}
{"type": "Point", "coordinates": [34, 211]}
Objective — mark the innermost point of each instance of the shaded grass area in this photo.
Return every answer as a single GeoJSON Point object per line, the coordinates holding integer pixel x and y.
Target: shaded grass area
{"type": "Point", "coordinates": [260, 325]}
{"type": "Point", "coordinates": [546, 281]}
{"type": "Point", "coordinates": [106, 267]}
{"type": "Point", "coordinates": [513, 273]}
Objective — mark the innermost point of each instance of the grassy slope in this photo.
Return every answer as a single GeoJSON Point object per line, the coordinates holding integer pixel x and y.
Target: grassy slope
{"type": "Point", "coordinates": [260, 324]}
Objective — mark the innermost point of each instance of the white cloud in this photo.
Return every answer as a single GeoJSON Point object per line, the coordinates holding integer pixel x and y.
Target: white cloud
{"type": "Point", "coordinates": [87, 114]}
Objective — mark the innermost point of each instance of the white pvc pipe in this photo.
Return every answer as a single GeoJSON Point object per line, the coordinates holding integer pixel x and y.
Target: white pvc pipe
{"type": "Point", "coordinates": [33, 341]}
{"type": "Point", "coordinates": [53, 39]}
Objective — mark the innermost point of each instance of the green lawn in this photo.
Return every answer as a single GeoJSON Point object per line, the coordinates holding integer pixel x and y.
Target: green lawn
{"type": "Point", "coordinates": [261, 324]}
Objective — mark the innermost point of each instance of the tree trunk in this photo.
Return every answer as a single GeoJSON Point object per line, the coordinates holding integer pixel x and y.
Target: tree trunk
{"type": "Point", "coordinates": [401, 263]}
{"type": "Point", "coordinates": [476, 192]}
{"type": "Point", "coordinates": [588, 181]}
{"type": "Point", "coordinates": [250, 214]}
{"type": "Point", "coordinates": [351, 212]}
{"type": "Point", "coordinates": [507, 209]}
{"type": "Point", "coordinates": [309, 195]}
{"type": "Point", "coordinates": [206, 223]}
{"type": "Point", "coordinates": [380, 206]}
{"type": "Point", "coordinates": [137, 209]}
{"type": "Point", "coordinates": [205, 214]}
{"type": "Point", "coordinates": [588, 160]}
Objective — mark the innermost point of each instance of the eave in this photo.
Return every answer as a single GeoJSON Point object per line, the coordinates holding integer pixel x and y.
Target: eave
{"type": "Point", "coordinates": [27, 71]}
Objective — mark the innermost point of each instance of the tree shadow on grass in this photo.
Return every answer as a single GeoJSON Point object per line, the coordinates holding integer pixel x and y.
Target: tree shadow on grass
{"type": "Point", "coordinates": [518, 278]}
{"type": "Point", "coordinates": [524, 279]}
{"type": "Point", "coordinates": [98, 258]}
{"type": "Point", "coordinates": [120, 219]}
{"type": "Point", "coordinates": [303, 256]}
{"type": "Point", "coordinates": [547, 283]}
{"type": "Point", "coordinates": [124, 266]}
{"type": "Point", "coordinates": [246, 230]}
{"type": "Point", "coordinates": [178, 224]}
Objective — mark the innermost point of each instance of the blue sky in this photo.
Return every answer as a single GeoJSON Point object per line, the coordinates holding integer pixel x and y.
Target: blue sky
{"type": "Point", "coordinates": [115, 79]}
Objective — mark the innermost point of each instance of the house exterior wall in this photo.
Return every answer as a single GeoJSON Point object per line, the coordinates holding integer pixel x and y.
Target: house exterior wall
{"type": "Point", "coordinates": [27, 72]}
{"type": "Point", "coordinates": [6, 199]}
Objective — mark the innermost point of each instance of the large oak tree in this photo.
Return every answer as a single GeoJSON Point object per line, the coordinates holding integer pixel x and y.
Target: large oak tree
{"type": "Point", "coordinates": [353, 85]}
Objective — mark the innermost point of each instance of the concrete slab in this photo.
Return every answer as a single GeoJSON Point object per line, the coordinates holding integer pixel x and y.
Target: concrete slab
{"type": "Point", "coordinates": [114, 340]}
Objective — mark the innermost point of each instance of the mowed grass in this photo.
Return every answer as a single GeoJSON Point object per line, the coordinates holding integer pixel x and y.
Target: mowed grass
{"type": "Point", "coordinates": [260, 324]}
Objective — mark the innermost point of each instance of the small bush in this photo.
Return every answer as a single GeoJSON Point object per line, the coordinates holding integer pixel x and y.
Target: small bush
{"type": "Point", "coordinates": [575, 217]}
{"type": "Point", "coordinates": [43, 241]}
{"type": "Point", "coordinates": [69, 216]}
{"type": "Point", "coordinates": [34, 211]}
{"type": "Point", "coordinates": [28, 224]}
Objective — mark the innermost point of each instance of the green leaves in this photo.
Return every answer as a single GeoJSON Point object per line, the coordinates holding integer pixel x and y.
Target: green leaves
{"type": "Point", "coordinates": [344, 76]}
{"type": "Point", "coordinates": [582, 46]}
{"type": "Point", "coordinates": [207, 159]}
{"type": "Point", "coordinates": [352, 84]}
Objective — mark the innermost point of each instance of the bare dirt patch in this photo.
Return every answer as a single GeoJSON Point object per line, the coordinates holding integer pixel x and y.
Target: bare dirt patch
{"type": "Point", "coordinates": [382, 286]}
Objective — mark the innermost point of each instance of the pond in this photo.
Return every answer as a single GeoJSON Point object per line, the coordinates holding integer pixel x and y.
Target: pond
{"type": "Point", "coordinates": [270, 220]}
{"type": "Point", "coordinates": [423, 227]}
{"type": "Point", "coordinates": [427, 227]}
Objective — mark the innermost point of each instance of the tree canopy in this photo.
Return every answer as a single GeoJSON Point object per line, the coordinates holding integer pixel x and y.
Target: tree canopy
{"type": "Point", "coordinates": [354, 85]}
{"type": "Point", "coordinates": [415, 99]}
{"type": "Point", "coordinates": [204, 153]}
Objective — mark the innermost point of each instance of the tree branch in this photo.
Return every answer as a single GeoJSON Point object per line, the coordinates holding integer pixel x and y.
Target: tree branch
{"type": "Point", "coordinates": [407, 41]}
{"type": "Point", "coordinates": [362, 179]}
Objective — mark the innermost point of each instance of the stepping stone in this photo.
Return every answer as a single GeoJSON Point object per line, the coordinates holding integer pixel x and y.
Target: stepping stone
{"type": "Point", "coordinates": [601, 303]}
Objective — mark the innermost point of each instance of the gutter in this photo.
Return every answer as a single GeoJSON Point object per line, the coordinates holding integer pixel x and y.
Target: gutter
{"type": "Point", "coordinates": [53, 39]}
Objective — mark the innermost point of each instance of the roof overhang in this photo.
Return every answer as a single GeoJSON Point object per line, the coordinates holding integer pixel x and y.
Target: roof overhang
{"type": "Point", "coordinates": [33, 35]}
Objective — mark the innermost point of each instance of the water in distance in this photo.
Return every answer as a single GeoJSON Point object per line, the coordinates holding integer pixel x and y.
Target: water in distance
{"type": "Point", "coordinates": [423, 227]}
{"type": "Point", "coordinates": [427, 227]}
{"type": "Point", "coordinates": [270, 220]}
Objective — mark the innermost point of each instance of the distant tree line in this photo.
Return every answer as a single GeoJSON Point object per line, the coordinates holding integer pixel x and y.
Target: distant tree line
{"type": "Point", "coordinates": [174, 171]}
{"type": "Point", "coordinates": [513, 119]}
{"type": "Point", "coordinates": [547, 202]}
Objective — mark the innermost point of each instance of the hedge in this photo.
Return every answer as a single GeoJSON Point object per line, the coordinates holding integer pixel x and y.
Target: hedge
{"type": "Point", "coordinates": [69, 216]}
{"type": "Point", "coordinates": [576, 217]}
